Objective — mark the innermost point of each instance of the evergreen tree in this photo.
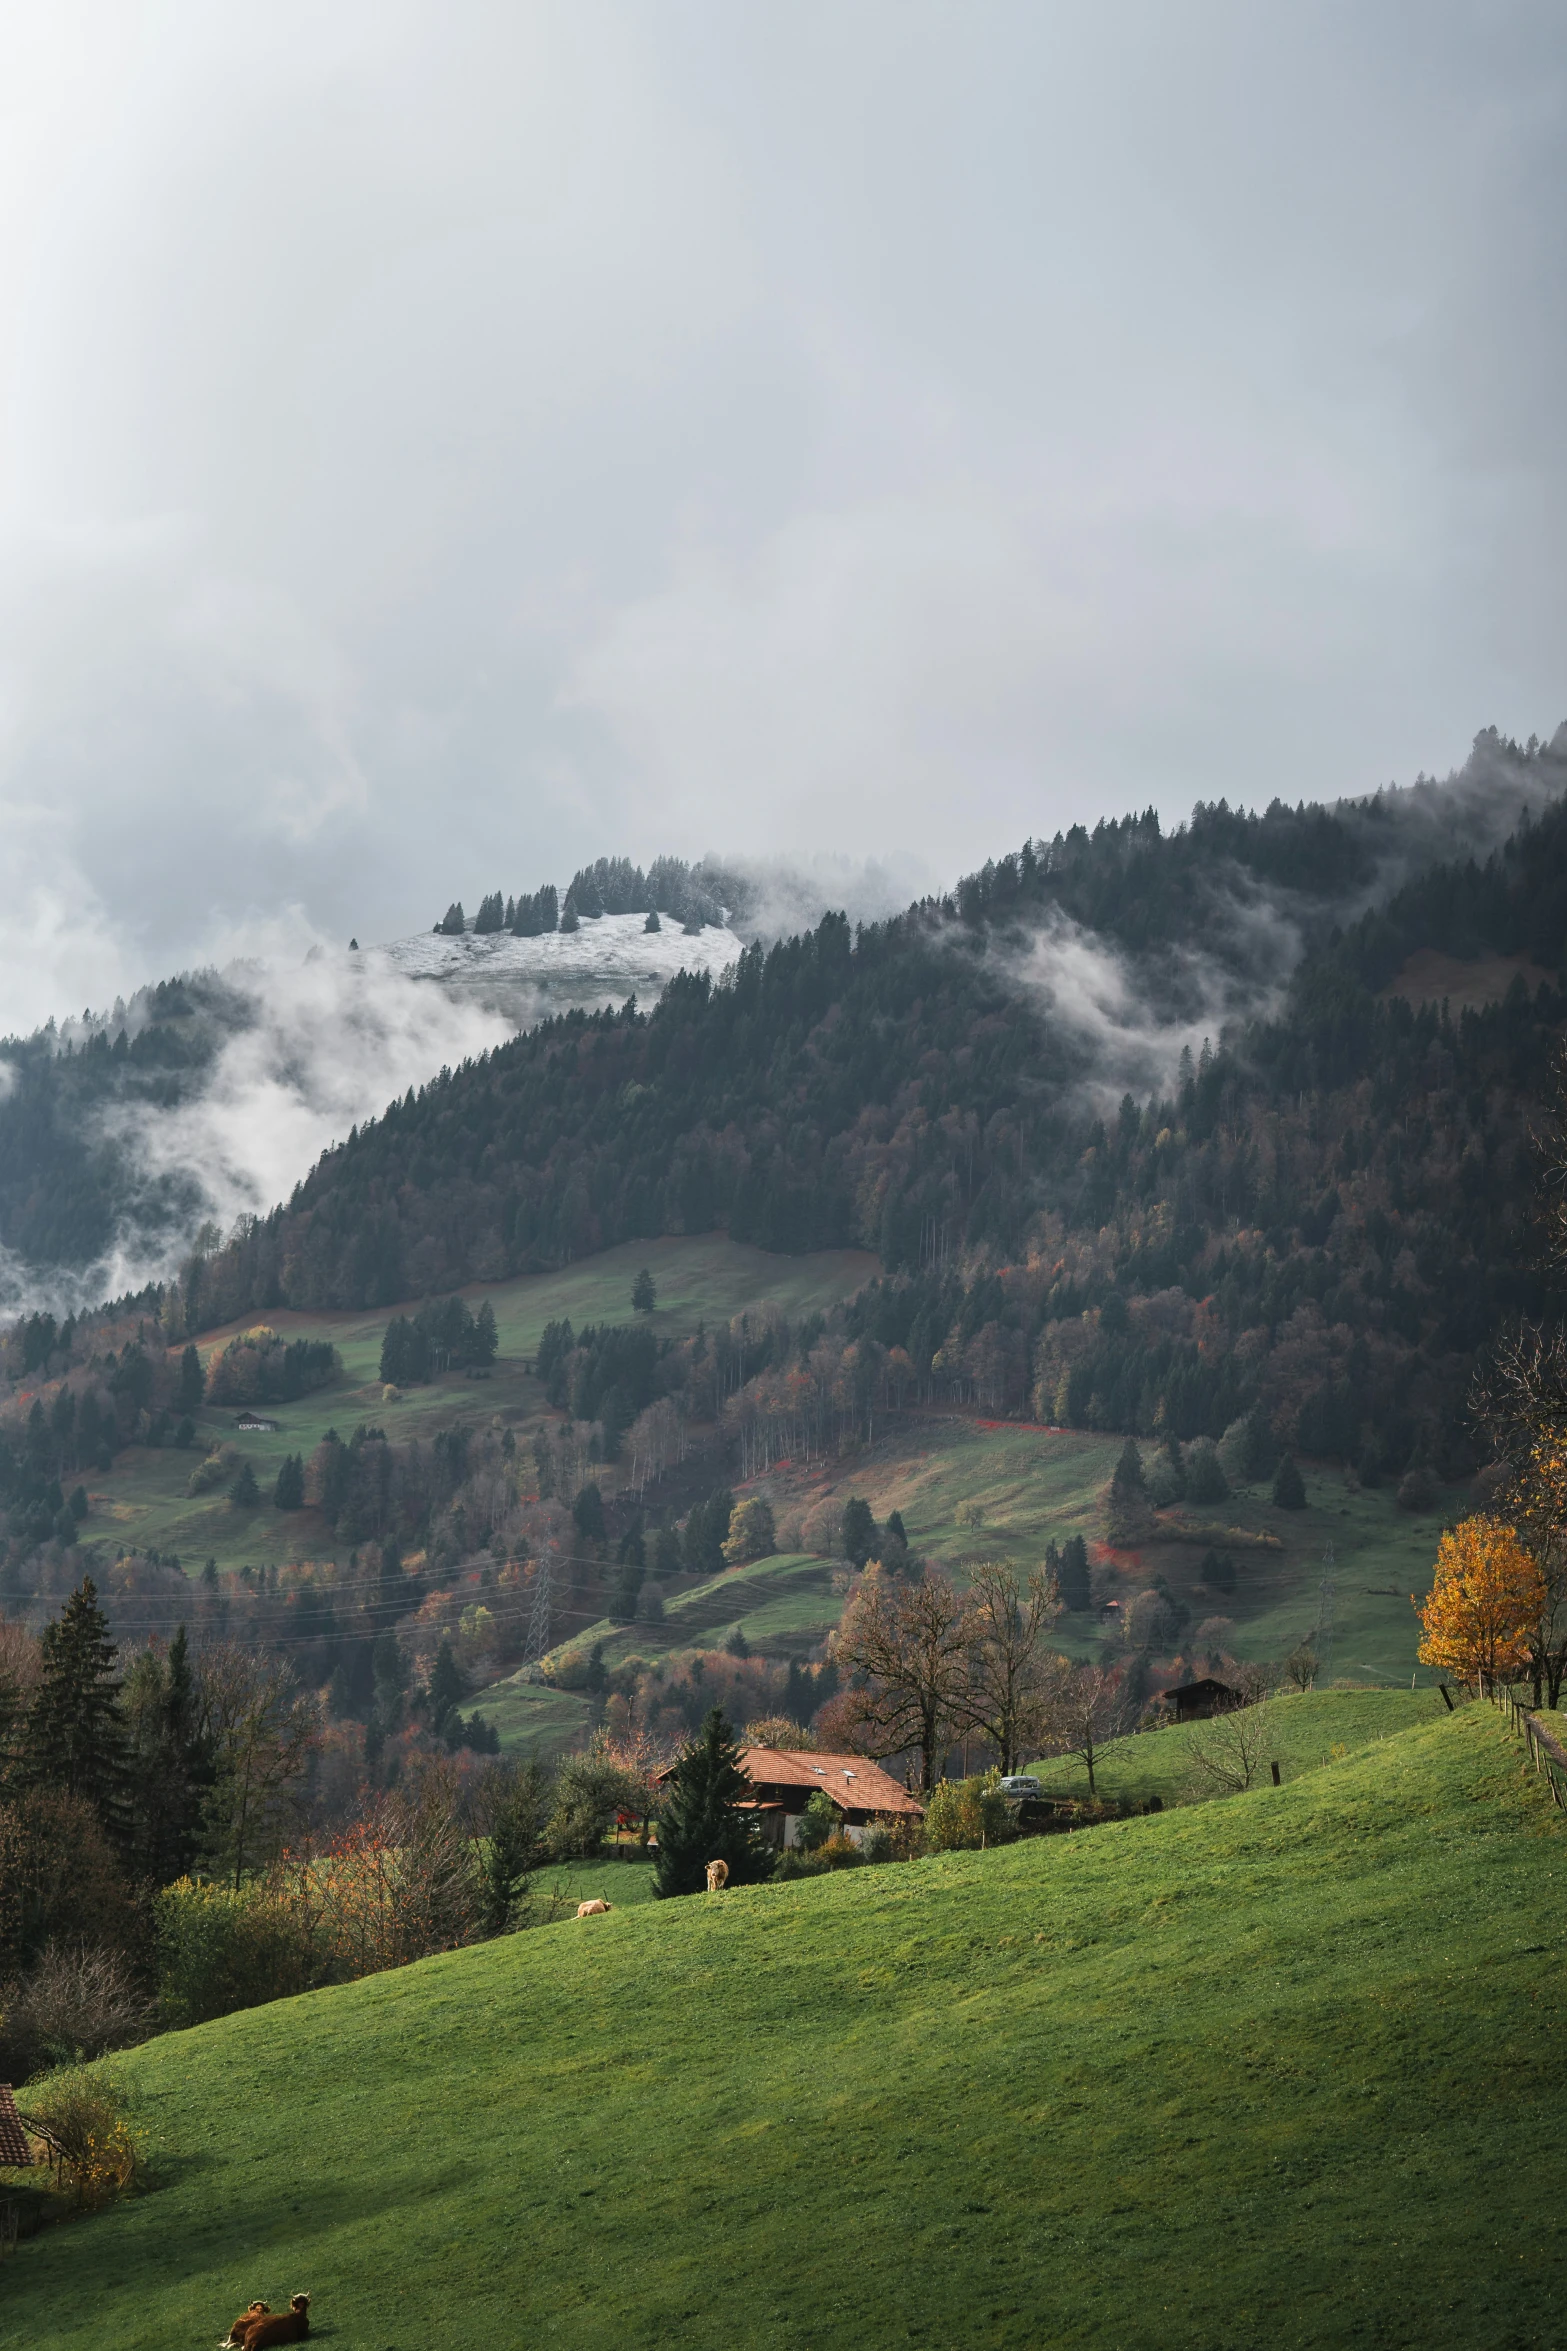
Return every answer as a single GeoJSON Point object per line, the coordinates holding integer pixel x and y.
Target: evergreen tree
{"type": "Point", "coordinates": [1127, 1518]}
{"type": "Point", "coordinates": [75, 1737]}
{"type": "Point", "coordinates": [514, 1816]}
{"type": "Point", "coordinates": [171, 1763]}
{"type": "Point", "coordinates": [1289, 1490]}
{"type": "Point", "coordinates": [644, 1293]}
{"type": "Point", "coordinates": [453, 922]}
{"type": "Point", "coordinates": [707, 1531]}
{"type": "Point", "coordinates": [1072, 1574]}
{"type": "Point", "coordinates": [653, 923]}
{"type": "Point", "coordinates": [859, 1531]}
{"type": "Point", "coordinates": [568, 914]}
{"type": "Point", "coordinates": [244, 1493]}
{"type": "Point", "coordinates": [445, 1688]}
{"type": "Point", "coordinates": [193, 1386]}
{"type": "Point", "coordinates": [702, 1819]}
{"type": "Point", "coordinates": [485, 1339]}
{"type": "Point", "coordinates": [289, 1492]}
{"type": "Point", "coordinates": [666, 1552]}
{"type": "Point", "coordinates": [587, 1514]}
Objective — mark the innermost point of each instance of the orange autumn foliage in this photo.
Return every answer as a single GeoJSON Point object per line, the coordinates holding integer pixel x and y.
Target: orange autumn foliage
{"type": "Point", "coordinates": [1485, 1604]}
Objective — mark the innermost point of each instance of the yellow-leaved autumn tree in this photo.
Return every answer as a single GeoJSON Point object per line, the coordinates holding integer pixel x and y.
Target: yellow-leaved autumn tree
{"type": "Point", "coordinates": [1485, 1604]}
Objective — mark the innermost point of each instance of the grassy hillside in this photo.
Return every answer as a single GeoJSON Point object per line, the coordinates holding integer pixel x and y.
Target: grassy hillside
{"type": "Point", "coordinates": [1297, 1733]}
{"type": "Point", "coordinates": [142, 1500]}
{"type": "Point", "coordinates": [1265, 2071]}
{"type": "Point", "coordinates": [970, 1490]}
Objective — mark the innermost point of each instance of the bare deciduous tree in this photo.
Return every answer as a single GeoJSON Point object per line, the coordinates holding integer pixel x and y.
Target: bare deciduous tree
{"type": "Point", "coordinates": [1011, 1676]}
{"type": "Point", "coordinates": [909, 1642]}
{"type": "Point", "coordinates": [1087, 1709]}
{"type": "Point", "coordinates": [1227, 1752]}
{"type": "Point", "coordinates": [1520, 1404]}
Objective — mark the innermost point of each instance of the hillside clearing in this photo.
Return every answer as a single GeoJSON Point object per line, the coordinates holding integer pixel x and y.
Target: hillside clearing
{"type": "Point", "coordinates": [1264, 2071]}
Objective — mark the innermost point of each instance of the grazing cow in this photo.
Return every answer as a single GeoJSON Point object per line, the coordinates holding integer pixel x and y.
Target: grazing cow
{"type": "Point", "coordinates": [592, 1909]}
{"type": "Point", "coordinates": [717, 1876]}
{"type": "Point", "coordinates": [238, 2335]}
{"type": "Point", "coordinates": [285, 2326]}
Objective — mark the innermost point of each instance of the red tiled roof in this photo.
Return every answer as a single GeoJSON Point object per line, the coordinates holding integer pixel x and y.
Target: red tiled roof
{"type": "Point", "coordinates": [13, 2139]}
{"type": "Point", "coordinates": [850, 1780]}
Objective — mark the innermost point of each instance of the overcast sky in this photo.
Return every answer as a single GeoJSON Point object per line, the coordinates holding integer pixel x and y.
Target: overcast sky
{"type": "Point", "coordinates": [442, 443]}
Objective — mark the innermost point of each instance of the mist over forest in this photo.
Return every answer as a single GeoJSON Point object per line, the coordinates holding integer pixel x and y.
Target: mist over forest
{"type": "Point", "coordinates": [132, 1137]}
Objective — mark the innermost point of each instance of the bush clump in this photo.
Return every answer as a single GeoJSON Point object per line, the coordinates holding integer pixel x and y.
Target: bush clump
{"type": "Point", "coordinates": [965, 1815]}
{"type": "Point", "coordinates": [84, 2116]}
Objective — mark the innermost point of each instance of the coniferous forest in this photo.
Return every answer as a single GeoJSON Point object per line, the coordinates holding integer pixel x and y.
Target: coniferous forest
{"type": "Point", "coordinates": [1322, 1210]}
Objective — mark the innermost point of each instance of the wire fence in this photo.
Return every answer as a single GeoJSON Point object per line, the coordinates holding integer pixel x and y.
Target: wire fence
{"type": "Point", "coordinates": [1544, 1751]}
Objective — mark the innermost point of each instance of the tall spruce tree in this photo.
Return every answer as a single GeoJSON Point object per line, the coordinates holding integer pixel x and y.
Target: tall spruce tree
{"type": "Point", "coordinates": [702, 1820]}
{"type": "Point", "coordinates": [171, 1762]}
{"type": "Point", "coordinates": [75, 1736]}
{"type": "Point", "coordinates": [1128, 1514]}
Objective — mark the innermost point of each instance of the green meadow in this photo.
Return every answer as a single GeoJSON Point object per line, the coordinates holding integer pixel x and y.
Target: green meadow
{"type": "Point", "coordinates": [1298, 1733]}
{"type": "Point", "coordinates": [1275, 2070]}
{"type": "Point", "coordinates": [143, 1501]}
{"type": "Point", "coordinates": [970, 1491]}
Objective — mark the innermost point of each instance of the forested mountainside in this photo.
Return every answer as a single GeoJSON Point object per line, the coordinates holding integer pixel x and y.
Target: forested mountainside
{"type": "Point", "coordinates": [67, 1185]}
{"type": "Point", "coordinates": [1326, 1212]}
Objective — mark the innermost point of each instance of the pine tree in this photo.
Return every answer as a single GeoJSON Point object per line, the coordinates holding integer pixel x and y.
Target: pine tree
{"type": "Point", "coordinates": [653, 923]}
{"type": "Point", "coordinates": [702, 1819]}
{"type": "Point", "coordinates": [859, 1531]}
{"type": "Point", "coordinates": [445, 1688]}
{"type": "Point", "coordinates": [644, 1293]}
{"type": "Point", "coordinates": [1289, 1489]}
{"type": "Point", "coordinates": [244, 1493]}
{"type": "Point", "coordinates": [1072, 1574]}
{"type": "Point", "coordinates": [485, 1339]}
{"type": "Point", "coordinates": [171, 1762]}
{"type": "Point", "coordinates": [289, 1492]}
{"type": "Point", "coordinates": [587, 1514]}
{"type": "Point", "coordinates": [1127, 1518]}
{"type": "Point", "coordinates": [75, 1737]}
{"type": "Point", "coordinates": [193, 1386]}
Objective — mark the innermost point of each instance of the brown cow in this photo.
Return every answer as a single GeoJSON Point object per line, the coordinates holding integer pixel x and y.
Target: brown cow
{"type": "Point", "coordinates": [286, 2326]}
{"type": "Point", "coordinates": [239, 2333]}
{"type": "Point", "coordinates": [592, 1909]}
{"type": "Point", "coordinates": [717, 1876]}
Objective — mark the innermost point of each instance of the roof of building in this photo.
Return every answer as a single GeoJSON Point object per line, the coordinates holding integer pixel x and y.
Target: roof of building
{"type": "Point", "coordinates": [852, 1781]}
{"type": "Point", "coordinates": [14, 2149]}
{"type": "Point", "coordinates": [1207, 1687]}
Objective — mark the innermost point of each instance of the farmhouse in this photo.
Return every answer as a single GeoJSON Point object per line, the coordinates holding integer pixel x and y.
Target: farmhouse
{"type": "Point", "coordinates": [1196, 1701]}
{"type": "Point", "coordinates": [785, 1782]}
{"type": "Point", "coordinates": [255, 1420]}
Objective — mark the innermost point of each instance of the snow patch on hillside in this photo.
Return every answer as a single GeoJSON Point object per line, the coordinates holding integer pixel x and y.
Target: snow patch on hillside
{"type": "Point", "coordinates": [525, 980]}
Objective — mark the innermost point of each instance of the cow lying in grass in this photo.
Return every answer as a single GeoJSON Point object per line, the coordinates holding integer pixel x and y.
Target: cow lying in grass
{"type": "Point", "coordinates": [239, 2332]}
{"type": "Point", "coordinates": [592, 1909]}
{"type": "Point", "coordinates": [260, 2327]}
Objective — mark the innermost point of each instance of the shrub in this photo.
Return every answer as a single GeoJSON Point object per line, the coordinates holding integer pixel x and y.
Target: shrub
{"type": "Point", "coordinates": [87, 2116]}
{"type": "Point", "coordinates": [220, 1950]}
{"type": "Point", "coordinates": [964, 1815]}
{"type": "Point", "coordinates": [818, 1822]}
{"type": "Point", "coordinates": [1416, 1489]}
{"type": "Point", "coordinates": [217, 1470]}
{"type": "Point", "coordinates": [76, 2003]}
{"type": "Point", "coordinates": [588, 1793]}
{"type": "Point", "coordinates": [876, 1844]}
